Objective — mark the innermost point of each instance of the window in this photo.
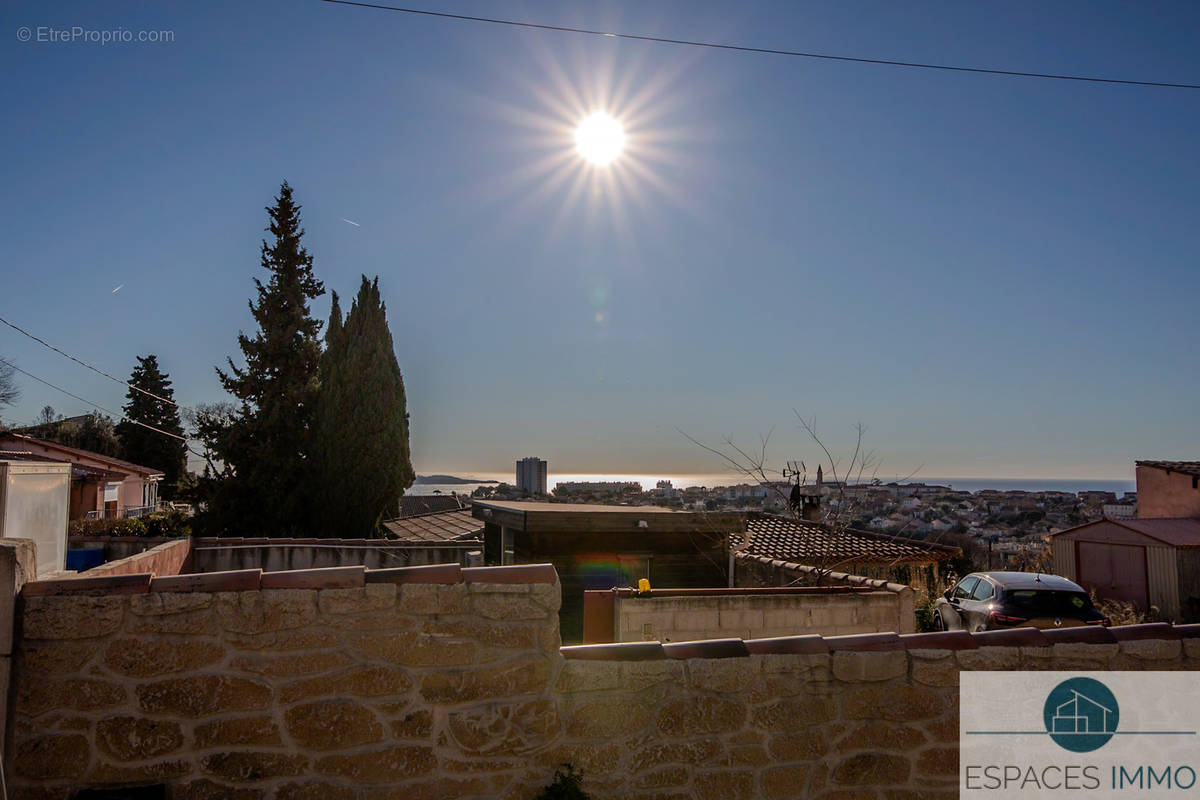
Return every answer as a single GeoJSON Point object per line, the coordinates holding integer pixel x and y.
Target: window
{"type": "Point", "coordinates": [983, 591]}
{"type": "Point", "coordinates": [965, 587]}
{"type": "Point", "coordinates": [1036, 602]}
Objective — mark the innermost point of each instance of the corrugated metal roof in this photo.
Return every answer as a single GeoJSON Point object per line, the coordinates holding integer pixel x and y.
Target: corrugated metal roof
{"type": "Point", "coordinates": [1174, 531]}
{"type": "Point", "coordinates": [1180, 532]}
{"type": "Point", "coordinates": [441, 526]}
{"type": "Point", "coordinates": [808, 542]}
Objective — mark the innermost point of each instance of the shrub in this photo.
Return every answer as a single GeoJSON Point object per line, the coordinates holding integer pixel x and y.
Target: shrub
{"type": "Point", "coordinates": [108, 527]}
{"type": "Point", "coordinates": [926, 616]}
{"type": "Point", "coordinates": [1119, 611]}
{"type": "Point", "coordinates": [169, 523]}
{"type": "Point", "coordinates": [565, 786]}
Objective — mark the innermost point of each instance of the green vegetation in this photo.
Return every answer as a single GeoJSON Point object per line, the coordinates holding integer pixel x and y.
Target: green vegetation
{"type": "Point", "coordinates": [166, 523]}
{"type": "Point", "coordinates": [316, 443]}
{"type": "Point", "coordinates": [265, 444]}
{"type": "Point", "coordinates": [360, 421]}
{"type": "Point", "coordinates": [565, 786]}
{"type": "Point", "coordinates": [95, 432]}
{"type": "Point", "coordinates": [140, 444]}
{"type": "Point", "coordinates": [926, 615]}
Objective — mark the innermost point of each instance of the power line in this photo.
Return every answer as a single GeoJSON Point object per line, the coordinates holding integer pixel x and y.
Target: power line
{"type": "Point", "coordinates": [110, 377]}
{"type": "Point", "coordinates": [97, 405]}
{"type": "Point", "coordinates": [97, 370]}
{"type": "Point", "coordinates": [764, 50]}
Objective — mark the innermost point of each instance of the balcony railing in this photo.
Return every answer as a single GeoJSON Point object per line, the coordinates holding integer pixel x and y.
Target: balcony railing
{"type": "Point", "coordinates": [133, 512]}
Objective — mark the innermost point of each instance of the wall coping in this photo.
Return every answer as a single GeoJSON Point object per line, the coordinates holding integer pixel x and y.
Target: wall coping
{"type": "Point", "coordinates": [317, 578]}
{"type": "Point", "coordinates": [137, 563]}
{"type": "Point", "coordinates": [97, 539]}
{"type": "Point", "coordinates": [739, 591]}
{"type": "Point", "coordinates": [241, 543]}
{"type": "Point", "coordinates": [814, 644]}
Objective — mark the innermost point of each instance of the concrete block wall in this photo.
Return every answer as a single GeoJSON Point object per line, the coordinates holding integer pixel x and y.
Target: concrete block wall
{"type": "Point", "coordinates": [434, 682]}
{"type": "Point", "coordinates": [755, 570]}
{"type": "Point", "coordinates": [232, 553]}
{"type": "Point", "coordinates": [756, 616]}
{"type": "Point", "coordinates": [18, 565]}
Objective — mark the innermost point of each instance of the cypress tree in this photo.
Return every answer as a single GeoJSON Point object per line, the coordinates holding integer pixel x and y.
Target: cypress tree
{"type": "Point", "coordinates": [361, 425]}
{"type": "Point", "coordinates": [143, 446]}
{"type": "Point", "coordinates": [266, 447]}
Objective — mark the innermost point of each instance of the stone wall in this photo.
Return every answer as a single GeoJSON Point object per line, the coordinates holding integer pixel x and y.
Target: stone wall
{"type": "Point", "coordinates": [437, 682]}
{"type": "Point", "coordinates": [756, 616]}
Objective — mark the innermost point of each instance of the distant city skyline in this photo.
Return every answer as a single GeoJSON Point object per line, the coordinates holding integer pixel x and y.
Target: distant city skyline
{"type": "Point", "coordinates": [682, 480]}
{"type": "Point", "coordinates": [994, 274]}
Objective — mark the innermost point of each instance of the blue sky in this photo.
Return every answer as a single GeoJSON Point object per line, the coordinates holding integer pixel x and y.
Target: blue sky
{"type": "Point", "coordinates": [996, 275]}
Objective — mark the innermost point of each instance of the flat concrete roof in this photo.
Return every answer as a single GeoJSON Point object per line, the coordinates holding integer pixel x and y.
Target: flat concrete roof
{"type": "Point", "coordinates": [595, 518]}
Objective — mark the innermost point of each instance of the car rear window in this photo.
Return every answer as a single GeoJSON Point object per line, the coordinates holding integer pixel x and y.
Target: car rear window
{"type": "Point", "coordinates": [1043, 601]}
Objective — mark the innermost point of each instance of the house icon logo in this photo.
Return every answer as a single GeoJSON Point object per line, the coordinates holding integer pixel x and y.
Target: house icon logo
{"type": "Point", "coordinates": [1081, 714]}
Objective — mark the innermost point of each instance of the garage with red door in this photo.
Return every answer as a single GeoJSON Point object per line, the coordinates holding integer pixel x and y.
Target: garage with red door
{"type": "Point", "coordinates": [1151, 563]}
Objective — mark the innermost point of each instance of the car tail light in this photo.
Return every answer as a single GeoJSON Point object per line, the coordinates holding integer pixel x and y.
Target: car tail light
{"type": "Point", "coordinates": [1005, 619]}
{"type": "Point", "coordinates": [1105, 621]}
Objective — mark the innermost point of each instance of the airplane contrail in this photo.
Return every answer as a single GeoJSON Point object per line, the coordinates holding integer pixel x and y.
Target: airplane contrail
{"type": "Point", "coordinates": [352, 222]}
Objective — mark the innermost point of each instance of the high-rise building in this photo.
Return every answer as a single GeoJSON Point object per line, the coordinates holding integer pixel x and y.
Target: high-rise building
{"type": "Point", "coordinates": [531, 475]}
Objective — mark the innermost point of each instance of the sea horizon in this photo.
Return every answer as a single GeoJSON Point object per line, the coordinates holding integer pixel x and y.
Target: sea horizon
{"type": "Point", "coordinates": [680, 480]}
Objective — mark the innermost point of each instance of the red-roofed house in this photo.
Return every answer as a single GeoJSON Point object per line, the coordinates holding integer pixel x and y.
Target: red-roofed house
{"type": "Point", "coordinates": [101, 486]}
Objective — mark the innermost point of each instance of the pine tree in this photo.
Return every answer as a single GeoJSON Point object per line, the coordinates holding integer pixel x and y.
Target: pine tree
{"type": "Point", "coordinates": [143, 446]}
{"type": "Point", "coordinates": [265, 449]}
{"type": "Point", "coordinates": [360, 428]}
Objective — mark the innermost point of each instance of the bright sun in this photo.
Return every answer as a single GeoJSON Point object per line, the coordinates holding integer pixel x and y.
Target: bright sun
{"type": "Point", "coordinates": [600, 139]}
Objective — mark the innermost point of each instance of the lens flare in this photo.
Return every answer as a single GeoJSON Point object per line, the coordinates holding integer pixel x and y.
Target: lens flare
{"type": "Point", "coordinates": [600, 139]}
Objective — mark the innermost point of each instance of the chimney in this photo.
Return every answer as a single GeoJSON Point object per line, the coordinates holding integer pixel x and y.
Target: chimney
{"type": "Point", "coordinates": [811, 507]}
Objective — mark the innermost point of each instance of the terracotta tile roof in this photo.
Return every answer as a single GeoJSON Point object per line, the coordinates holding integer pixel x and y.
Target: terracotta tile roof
{"type": "Point", "coordinates": [440, 526]}
{"type": "Point", "coordinates": [1186, 467]}
{"type": "Point", "coordinates": [794, 540]}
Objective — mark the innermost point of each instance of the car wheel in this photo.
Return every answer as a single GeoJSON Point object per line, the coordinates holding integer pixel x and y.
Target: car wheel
{"type": "Point", "coordinates": [939, 622]}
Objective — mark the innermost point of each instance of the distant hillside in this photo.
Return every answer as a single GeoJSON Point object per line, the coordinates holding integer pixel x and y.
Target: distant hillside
{"type": "Point", "coordinates": [447, 479]}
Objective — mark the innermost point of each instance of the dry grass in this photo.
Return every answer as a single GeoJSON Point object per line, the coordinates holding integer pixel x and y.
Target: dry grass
{"type": "Point", "coordinates": [1122, 612]}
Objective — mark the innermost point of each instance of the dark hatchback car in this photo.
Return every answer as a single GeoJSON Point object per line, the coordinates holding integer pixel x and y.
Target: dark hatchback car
{"type": "Point", "coordinates": [985, 601]}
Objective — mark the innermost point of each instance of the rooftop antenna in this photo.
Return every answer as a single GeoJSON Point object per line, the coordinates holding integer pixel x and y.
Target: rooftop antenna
{"type": "Point", "coordinates": [794, 469]}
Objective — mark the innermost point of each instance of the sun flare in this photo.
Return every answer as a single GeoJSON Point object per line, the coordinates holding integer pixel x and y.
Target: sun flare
{"type": "Point", "coordinates": [600, 139]}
